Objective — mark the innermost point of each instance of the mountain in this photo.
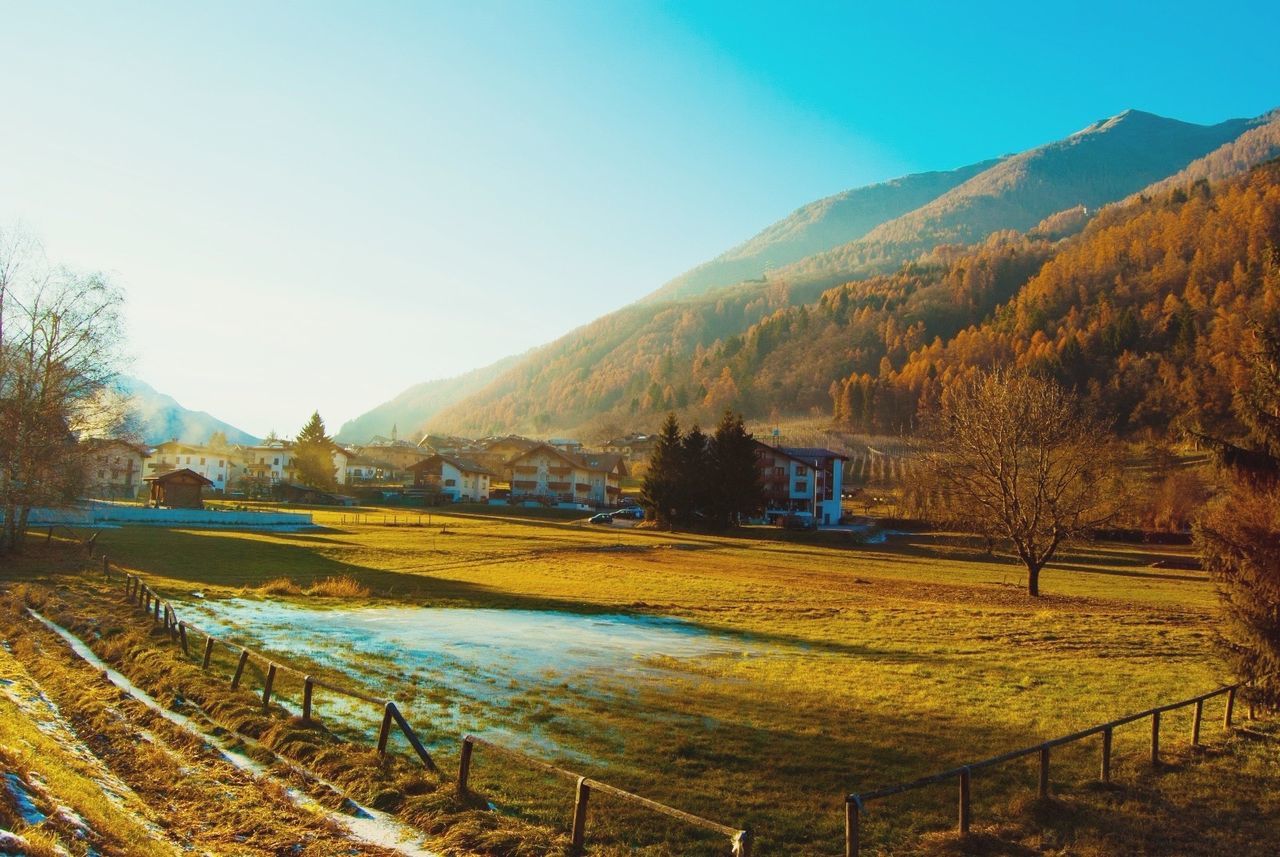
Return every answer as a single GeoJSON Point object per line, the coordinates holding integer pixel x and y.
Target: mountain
{"type": "Point", "coordinates": [816, 227]}
{"type": "Point", "coordinates": [409, 411]}
{"type": "Point", "coordinates": [1102, 163]}
{"type": "Point", "coordinates": [158, 417]}
{"type": "Point", "coordinates": [1259, 144]}
{"type": "Point", "coordinates": [700, 353]}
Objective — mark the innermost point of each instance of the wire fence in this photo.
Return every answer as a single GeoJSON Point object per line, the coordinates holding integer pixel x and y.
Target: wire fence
{"type": "Point", "coordinates": [161, 612]}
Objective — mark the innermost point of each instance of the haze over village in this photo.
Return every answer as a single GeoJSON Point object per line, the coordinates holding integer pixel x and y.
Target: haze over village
{"type": "Point", "coordinates": [640, 430]}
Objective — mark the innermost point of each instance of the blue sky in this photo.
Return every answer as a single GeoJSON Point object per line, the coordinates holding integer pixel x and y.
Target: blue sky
{"type": "Point", "coordinates": [339, 200]}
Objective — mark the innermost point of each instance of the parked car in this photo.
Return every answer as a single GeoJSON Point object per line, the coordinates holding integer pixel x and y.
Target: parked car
{"type": "Point", "coordinates": [602, 518]}
{"type": "Point", "coordinates": [630, 513]}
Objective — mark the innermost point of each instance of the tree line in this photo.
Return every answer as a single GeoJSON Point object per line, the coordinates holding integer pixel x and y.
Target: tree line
{"type": "Point", "coordinates": [701, 480]}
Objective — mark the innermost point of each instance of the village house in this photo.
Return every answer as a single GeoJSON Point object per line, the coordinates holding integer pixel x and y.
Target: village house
{"type": "Point", "coordinates": [361, 468]}
{"type": "Point", "coordinates": [268, 463]}
{"type": "Point", "coordinates": [113, 469]}
{"type": "Point", "coordinates": [178, 489]}
{"type": "Point", "coordinates": [547, 475]}
{"type": "Point", "coordinates": [634, 447]}
{"type": "Point", "coordinates": [496, 453]}
{"type": "Point", "coordinates": [400, 455]}
{"type": "Point", "coordinates": [219, 466]}
{"type": "Point", "coordinates": [801, 482]}
{"type": "Point", "coordinates": [458, 479]}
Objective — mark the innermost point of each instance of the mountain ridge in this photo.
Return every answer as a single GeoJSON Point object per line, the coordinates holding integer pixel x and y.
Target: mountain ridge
{"type": "Point", "coordinates": [631, 365]}
{"type": "Point", "coordinates": [158, 417]}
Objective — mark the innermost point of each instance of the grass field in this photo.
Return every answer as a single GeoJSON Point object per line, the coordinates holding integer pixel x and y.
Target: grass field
{"type": "Point", "coordinates": [869, 665]}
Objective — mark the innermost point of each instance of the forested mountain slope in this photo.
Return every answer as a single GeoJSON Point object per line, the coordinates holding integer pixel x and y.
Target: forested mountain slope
{"type": "Point", "coordinates": [766, 347]}
{"type": "Point", "coordinates": [1147, 313]}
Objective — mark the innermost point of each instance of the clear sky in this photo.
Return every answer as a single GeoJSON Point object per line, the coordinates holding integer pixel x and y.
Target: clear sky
{"type": "Point", "coordinates": [325, 203]}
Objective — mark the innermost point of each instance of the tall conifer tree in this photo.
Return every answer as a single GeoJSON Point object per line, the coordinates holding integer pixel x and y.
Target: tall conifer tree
{"type": "Point", "coordinates": [1239, 535]}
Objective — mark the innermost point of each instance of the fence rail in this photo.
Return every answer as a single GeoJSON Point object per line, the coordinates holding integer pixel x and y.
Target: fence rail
{"type": "Point", "coordinates": [141, 595]}
{"type": "Point", "coordinates": [855, 803]}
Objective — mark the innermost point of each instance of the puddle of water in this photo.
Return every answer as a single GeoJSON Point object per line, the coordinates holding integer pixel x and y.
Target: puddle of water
{"type": "Point", "coordinates": [479, 659]}
{"type": "Point", "coordinates": [369, 825]}
{"type": "Point", "coordinates": [524, 645]}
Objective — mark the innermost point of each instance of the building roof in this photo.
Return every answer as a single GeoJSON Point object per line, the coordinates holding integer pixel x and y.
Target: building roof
{"type": "Point", "coordinates": [602, 461]}
{"type": "Point", "coordinates": [186, 474]}
{"type": "Point", "coordinates": [460, 463]}
{"type": "Point", "coordinates": [103, 442]}
{"type": "Point", "coordinates": [811, 453]}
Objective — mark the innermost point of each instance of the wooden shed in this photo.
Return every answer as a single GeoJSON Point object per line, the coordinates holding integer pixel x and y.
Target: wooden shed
{"type": "Point", "coordinates": [178, 489]}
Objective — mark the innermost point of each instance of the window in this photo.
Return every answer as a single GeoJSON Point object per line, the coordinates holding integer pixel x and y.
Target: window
{"type": "Point", "coordinates": [801, 470]}
{"type": "Point", "coordinates": [276, 461]}
{"type": "Point", "coordinates": [202, 461]}
{"type": "Point", "coordinates": [780, 472]}
{"type": "Point", "coordinates": [449, 483]}
{"type": "Point", "coordinates": [802, 488]}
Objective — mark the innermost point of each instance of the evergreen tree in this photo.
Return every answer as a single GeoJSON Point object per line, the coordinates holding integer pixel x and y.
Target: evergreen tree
{"type": "Point", "coordinates": [695, 489]}
{"type": "Point", "coordinates": [659, 493]}
{"type": "Point", "coordinates": [733, 475]}
{"type": "Point", "coordinates": [1239, 535]}
{"type": "Point", "coordinates": [313, 455]}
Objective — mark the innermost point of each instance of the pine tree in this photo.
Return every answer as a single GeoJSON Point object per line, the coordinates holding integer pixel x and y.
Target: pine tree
{"type": "Point", "coordinates": [1239, 535]}
{"type": "Point", "coordinates": [694, 491]}
{"type": "Point", "coordinates": [733, 475]}
{"type": "Point", "coordinates": [313, 455]}
{"type": "Point", "coordinates": [659, 493]}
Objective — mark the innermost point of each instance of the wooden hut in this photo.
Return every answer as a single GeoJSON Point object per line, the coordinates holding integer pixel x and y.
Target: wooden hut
{"type": "Point", "coordinates": [178, 489]}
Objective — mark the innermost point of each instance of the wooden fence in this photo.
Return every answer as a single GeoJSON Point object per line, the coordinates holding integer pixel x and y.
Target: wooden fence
{"type": "Point", "coordinates": [161, 611]}
{"type": "Point", "coordinates": [855, 803]}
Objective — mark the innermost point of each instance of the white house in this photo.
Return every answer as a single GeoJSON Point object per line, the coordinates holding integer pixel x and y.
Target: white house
{"type": "Point", "coordinates": [216, 465]}
{"type": "Point", "coordinates": [804, 482]}
{"type": "Point", "coordinates": [460, 480]}
{"type": "Point", "coordinates": [269, 462]}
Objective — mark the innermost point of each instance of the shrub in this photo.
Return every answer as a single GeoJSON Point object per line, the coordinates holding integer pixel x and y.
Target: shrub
{"type": "Point", "coordinates": [345, 586]}
{"type": "Point", "coordinates": [280, 586]}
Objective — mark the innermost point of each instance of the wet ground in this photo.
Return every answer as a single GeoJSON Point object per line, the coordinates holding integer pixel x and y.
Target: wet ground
{"type": "Point", "coordinates": [466, 664]}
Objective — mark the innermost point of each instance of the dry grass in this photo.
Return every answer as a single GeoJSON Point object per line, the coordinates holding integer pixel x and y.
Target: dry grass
{"type": "Point", "coordinates": [344, 586]}
{"type": "Point", "coordinates": [280, 586]}
{"type": "Point", "coordinates": [886, 662]}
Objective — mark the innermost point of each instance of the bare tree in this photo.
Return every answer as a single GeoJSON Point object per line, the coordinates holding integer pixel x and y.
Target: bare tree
{"type": "Point", "coordinates": [1024, 465]}
{"type": "Point", "coordinates": [60, 336]}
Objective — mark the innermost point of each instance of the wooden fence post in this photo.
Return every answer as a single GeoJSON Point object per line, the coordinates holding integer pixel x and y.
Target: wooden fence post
{"type": "Point", "coordinates": [852, 823]}
{"type": "Point", "coordinates": [244, 659]}
{"type": "Point", "coordinates": [266, 689]}
{"type": "Point", "coordinates": [464, 764]}
{"type": "Point", "coordinates": [208, 652]}
{"type": "Point", "coordinates": [1155, 738]}
{"type": "Point", "coordinates": [1044, 770]}
{"type": "Point", "coordinates": [742, 843]}
{"type": "Point", "coordinates": [964, 801]}
{"type": "Point", "coordinates": [578, 834]}
{"type": "Point", "coordinates": [157, 616]}
{"type": "Point", "coordinates": [307, 689]}
{"type": "Point", "coordinates": [385, 732]}
{"type": "Point", "coordinates": [106, 567]}
{"type": "Point", "coordinates": [1195, 723]}
{"type": "Point", "coordinates": [1106, 754]}
{"type": "Point", "coordinates": [1231, 704]}
{"type": "Point", "coordinates": [182, 635]}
